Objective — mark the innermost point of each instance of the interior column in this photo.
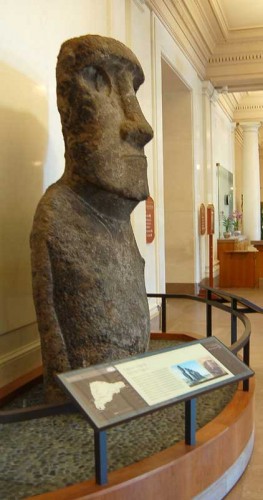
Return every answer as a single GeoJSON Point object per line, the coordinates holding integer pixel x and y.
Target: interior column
{"type": "Point", "coordinates": [251, 181]}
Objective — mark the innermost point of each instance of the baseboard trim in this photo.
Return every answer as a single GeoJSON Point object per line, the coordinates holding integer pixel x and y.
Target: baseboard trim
{"type": "Point", "coordinates": [220, 488]}
{"type": "Point", "coordinates": [10, 390]}
{"type": "Point", "coordinates": [19, 353]}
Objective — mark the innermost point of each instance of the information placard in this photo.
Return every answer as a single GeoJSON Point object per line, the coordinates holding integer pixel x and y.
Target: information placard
{"type": "Point", "coordinates": [114, 392]}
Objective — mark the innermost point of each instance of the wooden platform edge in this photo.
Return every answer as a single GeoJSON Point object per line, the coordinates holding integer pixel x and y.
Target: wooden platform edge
{"type": "Point", "coordinates": [181, 470]}
{"type": "Point", "coordinates": [8, 391]}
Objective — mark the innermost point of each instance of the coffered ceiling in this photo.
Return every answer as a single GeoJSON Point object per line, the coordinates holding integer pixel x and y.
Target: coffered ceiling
{"type": "Point", "coordinates": [237, 60]}
{"type": "Point", "coordinates": [223, 39]}
{"type": "Point", "coordinates": [238, 15]}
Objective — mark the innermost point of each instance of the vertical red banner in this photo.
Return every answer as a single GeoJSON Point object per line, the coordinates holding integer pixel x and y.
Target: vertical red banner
{"type": "Point", "coordinates": [149, 220]}
{"type": "Point", "coordinates": [210, 219]}
{"type": "Point", "coordinates": [210, 232]}
{"type": "Point", "coordinates": [202, 225]}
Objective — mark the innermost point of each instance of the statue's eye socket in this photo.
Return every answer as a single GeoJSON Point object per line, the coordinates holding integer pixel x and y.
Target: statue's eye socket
{"type": "Point", "coordinates": [98, 78]}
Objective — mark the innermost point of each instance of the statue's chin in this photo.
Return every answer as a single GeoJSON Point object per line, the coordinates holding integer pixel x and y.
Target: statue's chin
{"type": "Point", "coordinates": [136, 196]}
{"type": "Point", "coordinates": [126, 193]}
{"type": "Point", "coordinates": [124, 175]}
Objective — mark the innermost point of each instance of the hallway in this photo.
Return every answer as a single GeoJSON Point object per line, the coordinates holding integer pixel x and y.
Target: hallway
{"type": "Point", "coordinates": [190, 317]}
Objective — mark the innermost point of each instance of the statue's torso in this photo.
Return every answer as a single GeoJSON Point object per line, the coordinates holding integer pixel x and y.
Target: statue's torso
{"type": "Point", "coordinates": [98, 279]}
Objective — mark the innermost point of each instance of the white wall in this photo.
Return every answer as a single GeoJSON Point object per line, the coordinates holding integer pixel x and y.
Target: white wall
{"type": "Point", "coordinates": [178, 179]}
{"type": "Point", "coordinates": [139, 36]}
{"type": "Point", "coordinates": [32, 149]}
{"type": "Point", "coordinates": [166, 47]}
{"type": "Point", "coordinates": [222, 139]}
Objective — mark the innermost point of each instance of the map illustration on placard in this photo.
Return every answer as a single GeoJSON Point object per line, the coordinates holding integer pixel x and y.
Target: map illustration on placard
{"type": "Point", "coordinates": [103, 392]}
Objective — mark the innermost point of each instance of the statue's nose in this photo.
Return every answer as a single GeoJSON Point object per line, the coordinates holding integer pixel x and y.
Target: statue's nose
{"type": "Point", "coordinates": [135, 129]}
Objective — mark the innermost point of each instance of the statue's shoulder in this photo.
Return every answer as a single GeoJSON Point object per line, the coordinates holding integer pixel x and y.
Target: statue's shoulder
{"type": "Point", "coordinates": [56, 202]}
{"type": "Point", "coordinates": [55, 196]}
{"type": "Point", "coordinates": [54, 207]}
{"type": "Point", "coordinates": [60, 211]}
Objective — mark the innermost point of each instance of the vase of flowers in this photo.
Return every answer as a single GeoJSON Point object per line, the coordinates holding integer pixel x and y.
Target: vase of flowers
{"type": "Point", "coordinates": [237, 218]}
{"type": "Point", "coordinates": [227, 223]}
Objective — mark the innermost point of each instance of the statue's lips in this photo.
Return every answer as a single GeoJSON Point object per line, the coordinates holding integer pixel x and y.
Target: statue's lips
{"type": "Point", "coordinates": [138, 160]}
{"type": "Point", "coordinates": [135, 160]}
{"type": "Point", "coordinates": [134, 156]}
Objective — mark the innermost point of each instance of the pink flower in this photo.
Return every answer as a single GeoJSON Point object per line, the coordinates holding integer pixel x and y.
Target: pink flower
{"type": "Point", "coordinates": [236, 217]}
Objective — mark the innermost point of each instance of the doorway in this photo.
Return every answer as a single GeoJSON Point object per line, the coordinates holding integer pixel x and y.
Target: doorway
{"type": "Point", "coordinates": [178, 179]}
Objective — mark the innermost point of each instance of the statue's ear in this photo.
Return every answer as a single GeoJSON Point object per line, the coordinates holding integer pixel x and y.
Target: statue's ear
{"type": "Point", "coordinates": [95, 79]}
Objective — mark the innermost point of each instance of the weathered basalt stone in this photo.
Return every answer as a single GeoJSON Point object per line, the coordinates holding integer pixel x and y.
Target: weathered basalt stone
{"type": "Point", "coordinates": [88, 275]}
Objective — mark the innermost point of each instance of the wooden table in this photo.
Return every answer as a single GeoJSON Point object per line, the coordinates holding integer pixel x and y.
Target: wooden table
{"type": "Point", "coordinates": [239, 267]}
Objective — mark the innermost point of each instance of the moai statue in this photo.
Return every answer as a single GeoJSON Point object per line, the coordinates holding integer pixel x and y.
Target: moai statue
{"type": "Point", "coordinates": [87, 272]}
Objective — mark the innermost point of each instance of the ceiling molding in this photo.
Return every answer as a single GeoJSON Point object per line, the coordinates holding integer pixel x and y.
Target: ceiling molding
{"type": "Point", "coordinates": [210, 21]}
{"type": "Point", "coordinates": [232, 58]}
{"type": "Point", "coordinates": [188, 26]}
{"type": "Point", "coordinates": [220, 18]}
{"type": "Point", "coordinates": [240, 71]}
{"type": "Point", "coordinates": [238, 76]}
{"type": "Point", "coordinates": [236, 58]}
{"type": "Point", "coordinates": [250, 107]}
{"type": "Point", "coordinates": [248, 113]}
{"type": "Point", "coordinates": [235, 34]}
{"type": "Point", "coordinates": [248, 34]}
{"type": "Point", "coordinates": [228, 104]}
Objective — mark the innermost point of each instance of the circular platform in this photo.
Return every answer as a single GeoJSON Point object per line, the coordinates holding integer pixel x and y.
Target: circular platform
{"type": "Point", "coordinates": [164, 464]}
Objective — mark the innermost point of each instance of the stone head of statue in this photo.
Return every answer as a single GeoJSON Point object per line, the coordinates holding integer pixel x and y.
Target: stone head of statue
{"type": "Point", "coordinates": [103, 126]}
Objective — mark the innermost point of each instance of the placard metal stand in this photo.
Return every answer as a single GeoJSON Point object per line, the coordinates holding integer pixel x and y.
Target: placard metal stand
{"type": "Point", "coordinates": [100, 447]}
{"type": "Point", "coordinates": [190, 422]}
{"type": "Point", "coordinates": [113, 393]}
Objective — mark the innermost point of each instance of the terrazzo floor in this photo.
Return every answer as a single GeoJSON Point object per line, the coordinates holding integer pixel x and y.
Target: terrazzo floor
{"type": "Point", "coordinates": [45, 454]}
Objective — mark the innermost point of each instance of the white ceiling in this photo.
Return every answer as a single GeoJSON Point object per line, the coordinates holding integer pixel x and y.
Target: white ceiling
{"type": "Point", "coordinates": [241, 14]}
{"type": "Point", "coordinates": [241, 18]}
{"type": "Point", "coordinates": [223, 39]}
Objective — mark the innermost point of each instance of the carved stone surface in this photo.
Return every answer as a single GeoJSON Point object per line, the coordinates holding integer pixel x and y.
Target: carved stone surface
{"type": "Point", "coordinates": [87, 272]}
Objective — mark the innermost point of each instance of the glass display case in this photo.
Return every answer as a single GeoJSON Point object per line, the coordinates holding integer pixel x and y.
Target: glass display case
{"type": "Point", "coordinates": [225, 195]}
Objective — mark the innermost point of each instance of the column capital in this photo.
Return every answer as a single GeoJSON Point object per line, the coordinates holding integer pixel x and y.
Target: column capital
{"type": "Point", "coordinates": [250, 126]}
{"type": "Point", "coordinates": [209, 91]}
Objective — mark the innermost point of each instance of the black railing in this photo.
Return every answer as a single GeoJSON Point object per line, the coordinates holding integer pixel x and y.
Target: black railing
{"type": "Point", "coordinates": [236, 306]}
